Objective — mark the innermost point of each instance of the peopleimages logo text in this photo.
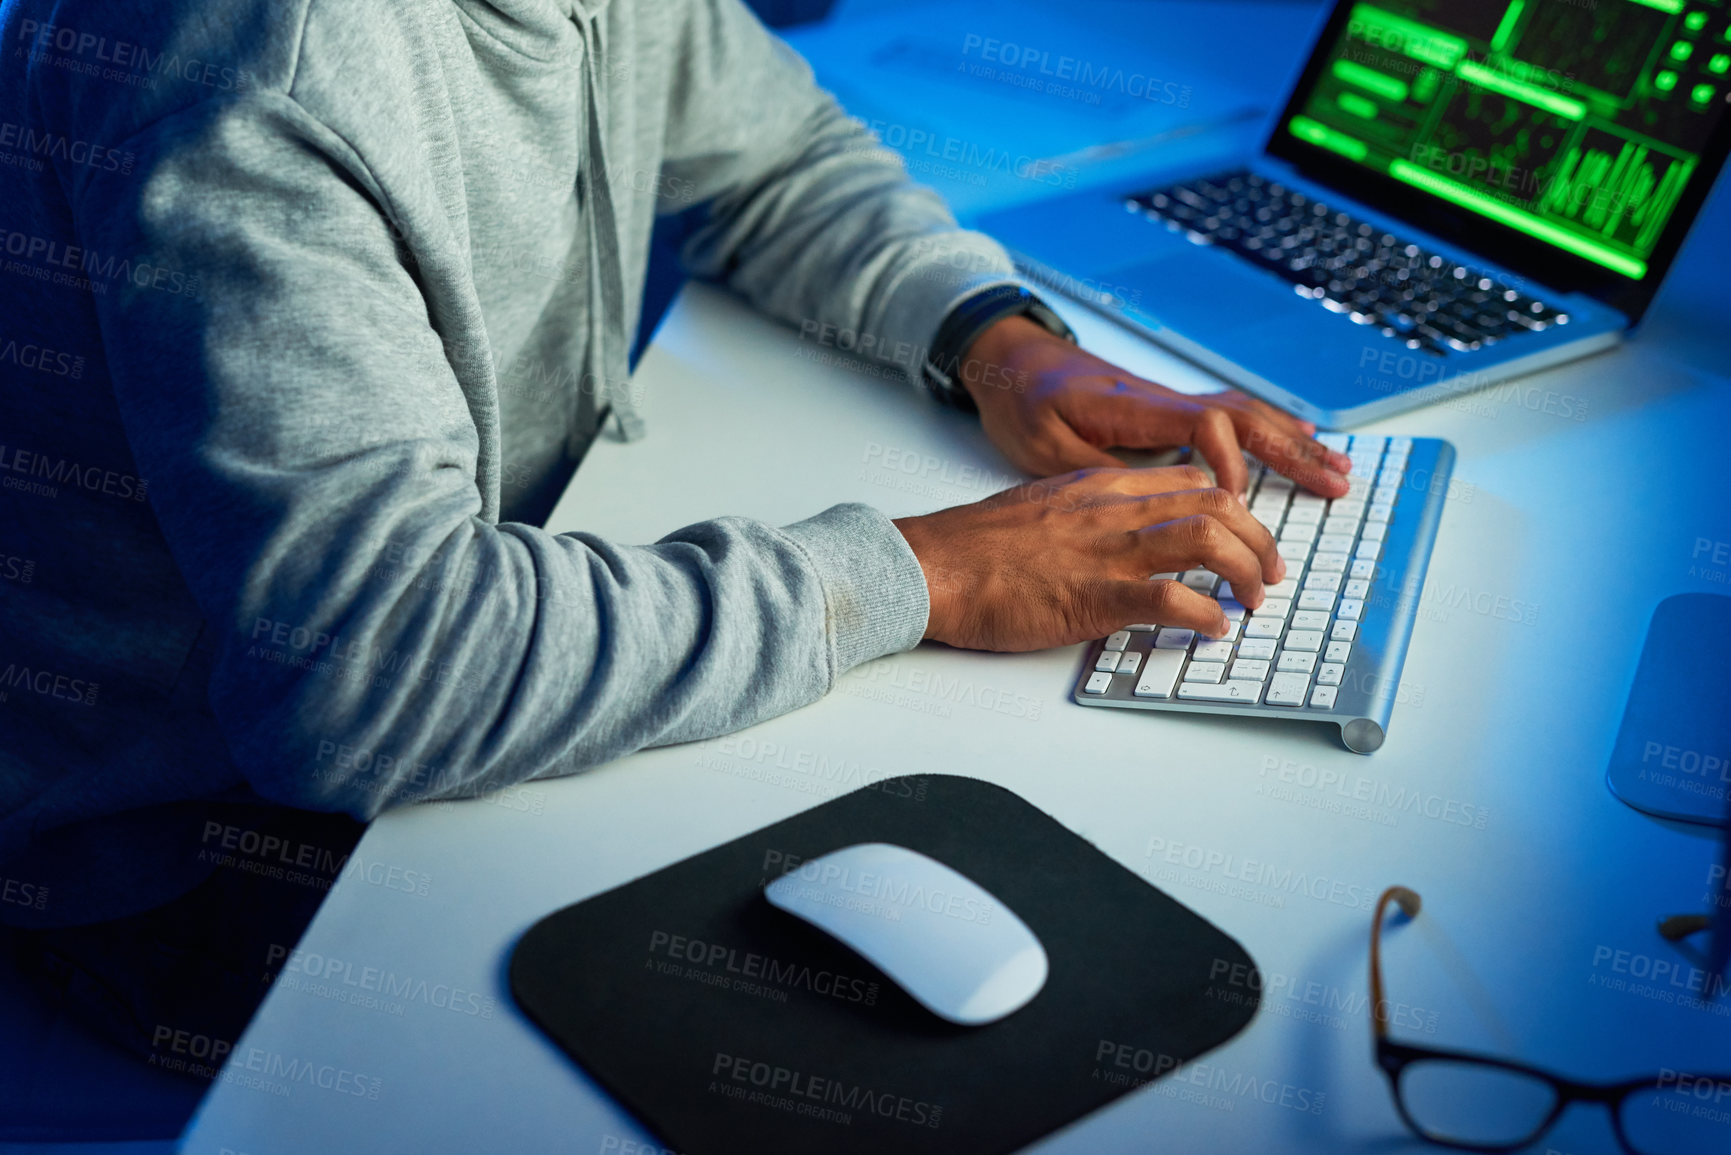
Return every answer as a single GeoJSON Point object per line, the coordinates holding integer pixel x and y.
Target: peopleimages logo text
{"type": "Point", "coordinates": [95, 54]}
{"type": "Point", "coordinates": [896, 892]}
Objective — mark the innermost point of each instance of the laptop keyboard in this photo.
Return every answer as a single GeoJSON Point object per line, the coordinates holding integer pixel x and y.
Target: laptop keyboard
{"type": "Point", "coordinates": [1418, 297]}
{"type": "Point", "coordinates": [1329, 641]}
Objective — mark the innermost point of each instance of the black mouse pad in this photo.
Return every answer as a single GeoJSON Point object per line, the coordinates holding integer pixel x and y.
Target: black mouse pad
{"type": "Point", "coordinates": [727, 1025]}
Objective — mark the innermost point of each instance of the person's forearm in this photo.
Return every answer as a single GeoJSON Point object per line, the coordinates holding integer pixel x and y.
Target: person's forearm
{"type": "Point", "coordinates": [516, 654]}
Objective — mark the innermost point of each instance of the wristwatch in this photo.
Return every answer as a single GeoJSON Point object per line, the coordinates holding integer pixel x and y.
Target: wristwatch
{"type": "Point", "coordinates": [943, 370]}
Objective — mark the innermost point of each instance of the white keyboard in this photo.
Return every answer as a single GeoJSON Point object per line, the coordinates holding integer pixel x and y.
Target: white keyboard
{"type": "Point", "coordinates": [1329, 641]}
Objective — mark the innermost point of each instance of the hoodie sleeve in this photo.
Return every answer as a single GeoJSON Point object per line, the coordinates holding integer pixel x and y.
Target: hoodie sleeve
{"type": "Point", "coordinates": [313, 467]}
{"type": "Point", "coordinates": [810, 217]}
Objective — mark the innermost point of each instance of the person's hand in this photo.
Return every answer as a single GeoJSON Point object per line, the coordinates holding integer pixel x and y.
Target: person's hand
{"type": "Point", "coordinates": [1066, 560]}
{"type": "Point", "coordinates": [1051, 407]}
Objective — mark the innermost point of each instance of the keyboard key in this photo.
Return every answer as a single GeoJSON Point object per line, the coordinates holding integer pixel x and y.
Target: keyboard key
{"type": "Point", "coordinates": [1347, 509]}
{"type": "Point", "coordinates": [1264, 628]}
{"type": "Point", "coordinates": [1258, 648]}
{"type": "Point", "coordinates": [1231, 634]}
{"type": "Point", "coordinates": [1118, 640]}
{"type": "Point", "coordinates": [1384, 494]}
{"type": "Point", "coordinates": [1272, 608]}
{"type": "Point", "coordinates": [1250, 669]}
{"type": "Point", "coordinates": [1212, 652]}
{"type": "Point", "coordinates": [1159, 674]}
{"type": "Point", "coordinates": [1172, 639]}
{"type": "Point", "coordinates": [1379, 513]}
{"type": "Point", "coordinates": [1335, 526]}
{"type": "Point", "coordinates": [1288, 689]}
{"type": "Point", "coordinates": [1329, 562]}
{"type": "Point", "coordinates": [1097, 683]}
{"type": "Point", "coordinates": [1130, 662]}
{"type": "Point", "coordinates": [1357, 588]}
{"type": "Point", "coordinates": [1364, 569]}
{"type": "Point", "coordinates": [1287, 588]}
{"type": "Point", "coordinates": [1142, 626]}
{"type": "Point", "coordinates": [1316, 600]}
{"type": "Point", "coordinates": [1351, 610]}
{"type": "Point", "coordinates": [1334, 543]}
{"type": "Point", "coordinates": [1310, 620]}
{"type": "Point", "coordinates": [1339, 441]}
{"type": "Point", "coordinates": [1330, 673]}
{"type": "Point", "coordinates": [1304, 514]}
{"type": "Point", "coordinates": [1375, 530]}
{"type": "Point", "coordinates": [1299, 531]}
{"type": "Point", "coordinates": [1369, 445]}
{"type": "Point", "coordinates": [1245, 693]}
{"type": "Point", "coordinates": [1295, 662]}
{"type": "Point", "coordinates": [1293, 550]}
{"type": "Point", "coordinates": [1200, 580]}
{"type": "Point", "coordinates": [1322, 698]}
{"type": "Point", "coordinates": [1368, 550]}
{"type": "Point", "coordinates": [1337, 652]}
{"type": "Point", "coordinates": [1328, 582]}
{"type": "Point", "coordinates": [1344, 631]}
{"type": "Point", "coordinates": [1107, 662]}
{"type": "Point", "coordinates": [1205, 672]}
{"type": "Point", "coordinates": [1403, 444]}
{"type": "Point", "coordinates": [1304, 640]}
{"type": "Point", "coordinates": [1233, 609]}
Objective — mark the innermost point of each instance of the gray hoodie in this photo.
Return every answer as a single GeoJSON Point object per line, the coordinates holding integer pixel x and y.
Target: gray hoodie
{"type": "Point", "coordinates": [300, 303]}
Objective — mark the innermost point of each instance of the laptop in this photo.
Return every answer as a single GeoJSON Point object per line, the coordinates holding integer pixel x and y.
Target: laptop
{"type": "Point", "coordinates": [1457, 192]}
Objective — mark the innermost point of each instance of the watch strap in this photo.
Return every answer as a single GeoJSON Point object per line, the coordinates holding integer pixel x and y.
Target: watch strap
{"type": "Point", "coordinates": [944, 366]}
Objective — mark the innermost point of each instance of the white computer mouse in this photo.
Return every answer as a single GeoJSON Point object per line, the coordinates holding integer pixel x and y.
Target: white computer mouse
{"type": "Point", "coordinates": [942, 937]}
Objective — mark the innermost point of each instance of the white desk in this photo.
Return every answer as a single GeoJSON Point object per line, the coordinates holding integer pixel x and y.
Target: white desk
{"type": "Point", "coordinates": [1591, 521]}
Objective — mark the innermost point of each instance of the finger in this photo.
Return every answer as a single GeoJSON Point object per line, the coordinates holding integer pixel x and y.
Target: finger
{"type": "Point", "coordinates": [1164, 603]}
{"type": "Point", "coordinates": [1256, 407]}
{"type": "Point", "coordinates": [1312, 465]}
{"type": "Point", "coordinates": [1063, 449]}
{"type": "Point", "coordinates": [1113, 495]}
{"type": "Point", "coordinates": [1224, 508]}
{"type": "Point", "coordinates": [1261, 441]}
{"type": "Point", "coordinates": [1212, 436]}
{"type": "Point", "coordinates": [1142, 553]}
{"type": "Point", "coordinates": [1203, 542]}
{"type": "Point", "coordinates": [1147, 482]}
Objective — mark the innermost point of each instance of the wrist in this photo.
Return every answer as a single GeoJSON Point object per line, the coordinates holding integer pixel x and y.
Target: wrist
{"type": "Point", "coordinates": [913, 531]}
{"type": "Point", "coordinates": [991, 366]}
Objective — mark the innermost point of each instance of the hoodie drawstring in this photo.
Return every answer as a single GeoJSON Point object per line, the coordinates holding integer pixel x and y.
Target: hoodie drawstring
{"type": "Point", "coordinates": [605, 362]}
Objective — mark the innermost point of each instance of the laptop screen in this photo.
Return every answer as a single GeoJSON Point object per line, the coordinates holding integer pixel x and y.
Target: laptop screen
{"type": "Point", "coordinates": [1577, 123]}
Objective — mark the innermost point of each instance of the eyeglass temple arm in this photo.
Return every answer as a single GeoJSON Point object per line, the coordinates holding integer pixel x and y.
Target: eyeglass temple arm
{"type": "Point", "coordinates": [1681, 926]}
{"type": "Point", "coordinates": [1410, 904]}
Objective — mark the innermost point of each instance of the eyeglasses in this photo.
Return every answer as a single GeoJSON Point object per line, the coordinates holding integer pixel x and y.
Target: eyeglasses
{"type": "Point", "coordinates": [1479, 1103]}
